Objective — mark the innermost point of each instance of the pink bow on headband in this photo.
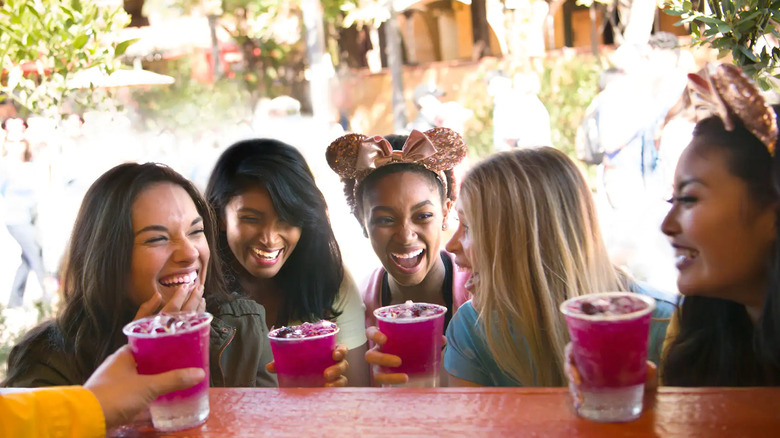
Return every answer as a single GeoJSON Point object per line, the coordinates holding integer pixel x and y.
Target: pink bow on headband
{"type": "Point", "coordinates": [375, 152]}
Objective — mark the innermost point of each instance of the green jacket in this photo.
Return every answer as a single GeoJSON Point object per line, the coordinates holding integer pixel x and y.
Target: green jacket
{"type": "Point", "coordinates": [238, 352]}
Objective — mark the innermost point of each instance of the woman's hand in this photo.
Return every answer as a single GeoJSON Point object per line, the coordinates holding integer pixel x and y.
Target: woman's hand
{"type": "Point", "coordinates": [575, 380]}
{"type": "Point", "coordinates": [184, 299]}
{"type": "Point", "coordinates": [376, 359]}
{"type": "Point", "coordinates": [123, 393]}
{"type": "Point", "coordinates": [334, 374]}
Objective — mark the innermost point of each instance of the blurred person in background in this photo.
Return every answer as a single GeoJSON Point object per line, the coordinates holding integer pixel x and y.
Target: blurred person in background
{"type": "Point", "coordinates": [21, 189]}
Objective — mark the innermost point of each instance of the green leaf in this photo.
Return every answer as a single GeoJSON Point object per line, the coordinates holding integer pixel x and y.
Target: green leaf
{"type": "Point", "coordinates": [80, 41]}
{"type": "Point", "coordinates": [122, 47]}
{"type": "Point", "coordinates": [748, 53]}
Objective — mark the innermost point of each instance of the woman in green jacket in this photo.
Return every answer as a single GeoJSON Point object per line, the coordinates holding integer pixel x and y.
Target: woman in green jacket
{"type": "Point", "coordinates": [140, 243]}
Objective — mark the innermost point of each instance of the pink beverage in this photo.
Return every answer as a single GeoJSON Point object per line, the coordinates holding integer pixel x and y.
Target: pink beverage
{"type": "Point", "coordinates": [609, 335]}
{"type": "Point", "coordinates": [167, 342]}
{"type": "Point", "coordinates": [414, 333]}
{"type": "Point", "coordinates": [303, 352]}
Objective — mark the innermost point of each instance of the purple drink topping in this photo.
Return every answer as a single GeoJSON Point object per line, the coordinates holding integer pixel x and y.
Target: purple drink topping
{"type": "Point", "coordinates": [410, 309]}
{"type": "Point", "coordinates": [165, 323]}
{"type": "Point", "coordinates": [609, 306]}
{"type": "Point", "coordinates": [305, 330]}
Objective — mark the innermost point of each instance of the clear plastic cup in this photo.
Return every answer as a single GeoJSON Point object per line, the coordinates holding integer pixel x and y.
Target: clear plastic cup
{"type": "Point", "coordinates": [610, 352]}
{"type": "Point", "coordinates": [301, 358]}
{"type": "Point", "coordinates": [416, 337]}
{"type": "Point", "coordinates": [166, 342]}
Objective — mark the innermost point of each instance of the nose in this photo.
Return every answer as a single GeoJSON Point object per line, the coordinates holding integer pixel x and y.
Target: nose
{"type": "Point", "coordinates": [670, 226]}
{"type": "Point", "coordinates": [186, 252]}
{"type": "Point", "coordinates": [406, 233]}
{"type": "Point", "coordinates": [269, 236]}
{"type": "Point", "coordinates": [453, 245]}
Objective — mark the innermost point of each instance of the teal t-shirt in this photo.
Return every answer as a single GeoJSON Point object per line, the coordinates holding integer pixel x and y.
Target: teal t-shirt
{"type": "Point", "coordinates": [467, 356]}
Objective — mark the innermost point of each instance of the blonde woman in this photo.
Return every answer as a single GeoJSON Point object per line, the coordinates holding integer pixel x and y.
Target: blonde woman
{"type": "Point", "coordinates": [529, 235]}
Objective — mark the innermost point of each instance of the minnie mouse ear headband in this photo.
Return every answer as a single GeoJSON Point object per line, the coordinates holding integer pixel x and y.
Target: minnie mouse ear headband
{"type": "Point", "coordinates": [724, 91]}
{"type": "Point", "coordinates": [355, 156]}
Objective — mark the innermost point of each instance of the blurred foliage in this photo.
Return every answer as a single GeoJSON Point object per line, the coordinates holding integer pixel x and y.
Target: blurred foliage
{"type": "Point", "coordinates": [10, 335]}
{"type": "Point", "coordinates": [745, 29]}
{"type": "Point", "coordinates": [59, 38]}
{"type": "Point", "coordinates": [191, 107]}
{"type": "Point", "coordinates": [569, 82]}
{"type": "Point", "coordinates": [478, 132]}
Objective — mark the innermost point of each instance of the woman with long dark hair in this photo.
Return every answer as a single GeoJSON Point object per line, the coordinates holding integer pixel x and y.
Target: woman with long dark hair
{"type": "Point", "coordinates": [723, 225]}
{"type": "Point", "coordinates": [141, 241]}
{"type": "Point", "coordinates": [278, 246]}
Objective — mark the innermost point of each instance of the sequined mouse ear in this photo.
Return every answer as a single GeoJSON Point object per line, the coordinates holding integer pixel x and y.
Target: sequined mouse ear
{"type": "Point", "coordinates": [342, 155]}
{"type": "Point", "coordinates": [744, 100]}
{"type": "Point", "coordinates": [450, 149]}
{"type": "Point", "coordinates": [722, 90]}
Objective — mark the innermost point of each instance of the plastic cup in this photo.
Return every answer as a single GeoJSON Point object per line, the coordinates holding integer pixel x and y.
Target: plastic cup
{"type": "Point", "coordinates": [302, 358]}
{"type": "Point", "coordinates": [416, 339]}
{"type": "Point", "coordinates": [166, 342]}
{"type": "Point", "coordinates": [610, 352]}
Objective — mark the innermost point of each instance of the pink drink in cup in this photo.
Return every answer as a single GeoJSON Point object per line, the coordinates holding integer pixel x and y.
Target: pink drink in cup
{"type": "Point", "coordinates": [303, 352]}
{"type": "Point", "coordinates": [609, 336]}
{"type": "Point", "coordinates": [414, 333]}
{"type": "Point", "coordinates": [167, 342]}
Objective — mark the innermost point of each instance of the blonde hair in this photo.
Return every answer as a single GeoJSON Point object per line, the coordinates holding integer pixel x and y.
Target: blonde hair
{"type": "Point", "coordinates": [536, 242]}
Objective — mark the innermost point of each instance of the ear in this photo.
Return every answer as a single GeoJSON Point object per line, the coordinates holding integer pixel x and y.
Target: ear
{"type": "Point", "coordinates": [446, 208]}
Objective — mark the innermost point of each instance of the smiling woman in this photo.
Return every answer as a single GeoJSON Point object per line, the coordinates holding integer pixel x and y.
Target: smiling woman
{"type": "Point", "coordinates": [140, 243]}
{"type": "Point", "coordinates": [401, 189]}
{"type": "Point", "coordinates": [278, 247]}
{"type": "Point", "coordinates": [723, 228]}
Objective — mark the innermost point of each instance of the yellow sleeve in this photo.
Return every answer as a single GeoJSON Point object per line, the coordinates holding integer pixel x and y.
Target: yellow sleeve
{"type": "Point", "coordinates": [65, 411]}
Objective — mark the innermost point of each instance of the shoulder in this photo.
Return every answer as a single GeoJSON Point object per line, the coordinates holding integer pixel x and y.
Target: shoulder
{"type": "Point", "coordinates": [40, 359]}
{"type": "Point", "coordinates": [464, 326]}
{"type": "Point", "coordinates": [352, 328]}
{"type": "Point", "coordinates": [665, 302]}
{"type": "Point", "coordinates": [239, 306]}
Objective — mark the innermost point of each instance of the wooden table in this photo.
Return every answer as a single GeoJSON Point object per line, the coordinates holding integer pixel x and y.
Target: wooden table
{"type": "Point", "coordinates": [456, 412]}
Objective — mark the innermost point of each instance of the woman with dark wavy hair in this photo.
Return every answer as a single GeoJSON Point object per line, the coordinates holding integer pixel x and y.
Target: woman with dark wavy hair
{"type": "Point", "coordinates": [723, 225]}
{"type": "Point", "coordinates": [279, 249]}
{"type": "Point", "coordinates": [141, 241]}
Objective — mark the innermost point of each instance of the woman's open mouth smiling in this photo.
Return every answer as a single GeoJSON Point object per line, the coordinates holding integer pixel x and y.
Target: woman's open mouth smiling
{"type": "Point", "coordinates": [408, 262]}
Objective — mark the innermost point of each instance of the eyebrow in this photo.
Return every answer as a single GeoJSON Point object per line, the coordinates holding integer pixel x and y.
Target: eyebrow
{"type": "Point", "coordinates": [414, 207]}
{"type": "Point", "coordinates": [161, 228]}
{"type": "Point", "coordinates": [250, 210]}
{"type": "Point", "coordinates": [689, 181]}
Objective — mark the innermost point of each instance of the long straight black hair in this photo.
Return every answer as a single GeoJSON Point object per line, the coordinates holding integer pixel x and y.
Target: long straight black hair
{"type": "Point", "coordinates": [96, 273]}
{"type": "Point", "coordinates": [718, 344]}
{"type": "Point", "coordinates": [312, 275]}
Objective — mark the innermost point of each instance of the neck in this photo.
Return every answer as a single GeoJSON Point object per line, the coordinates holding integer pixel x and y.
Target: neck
{"type": "Point", "coordinates": [754, 302]}
{"type": "Point", "coordinates": [429, 290]}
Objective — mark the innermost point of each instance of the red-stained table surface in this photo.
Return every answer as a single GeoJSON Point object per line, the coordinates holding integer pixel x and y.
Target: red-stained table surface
{"type": "Point", "coordinates": [454, 412]}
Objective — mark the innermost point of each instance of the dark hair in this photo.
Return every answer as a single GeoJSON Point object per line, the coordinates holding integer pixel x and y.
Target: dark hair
{"type": "Point", "coordinates": [355, 197]}
{"type": "Point", "coordinates": [312, 275]}
{"type": "Point", "coordinates": [768, 336]}
{"type": "Point", "coordinates": [97, 266]}
{"type": "Point", "coordinates": [717, 342]}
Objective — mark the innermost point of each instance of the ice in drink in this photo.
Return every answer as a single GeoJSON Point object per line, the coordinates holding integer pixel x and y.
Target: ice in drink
{"type": "Point", "coordinates": [414, 333]}
{"type": "Point", "coordinates": [303, 352]}
{"type": "Point", "coordinates": [609, 335]}
{"type": "Point", "coordinates": [167, 342]}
